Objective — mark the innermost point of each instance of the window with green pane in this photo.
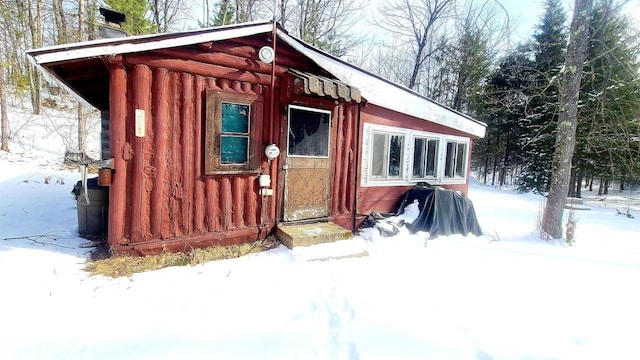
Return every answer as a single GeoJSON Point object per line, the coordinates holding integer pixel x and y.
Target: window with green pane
{"type": "Point", "coordinates": [234, 133]}
{"type": "Point", "coordinates": [232, 127]}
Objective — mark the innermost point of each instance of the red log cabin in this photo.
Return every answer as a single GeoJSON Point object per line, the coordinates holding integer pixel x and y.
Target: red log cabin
{"type": "Point", "coordinates": [216, 136]}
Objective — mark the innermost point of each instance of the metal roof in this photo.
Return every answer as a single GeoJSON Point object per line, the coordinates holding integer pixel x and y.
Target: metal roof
{"type": "Point", "coordinates": [387, 94]}
{"type": "Point", "coordinates": [375, 89]}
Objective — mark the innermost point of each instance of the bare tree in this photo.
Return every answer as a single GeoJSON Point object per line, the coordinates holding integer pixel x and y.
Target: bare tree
{"type": "Point", "coordinates": [567, 119]}
{"type": "Point", "coordinates": [30, 12]}
{"type": "Point", "coordinates": [245, 10]}
{"type": "Point", "coordinates": [4, 144]}
{"type": "Point", "coordinates": [420, 22]}
{"type": "Point", "coordinates": [167, 13]}
{"type": "Point", "coordinates": [61, 22]}
{"type": "Point", "coordinates": [457, 69]}
{"type": "Point", "coordinates": [327, 24]}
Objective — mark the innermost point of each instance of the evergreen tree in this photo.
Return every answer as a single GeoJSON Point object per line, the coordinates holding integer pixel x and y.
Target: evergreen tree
{"type": "Point", "coordinates": [503, 108]}
{"type": "Point", "coordinates": [136, 12]}
{"type": "Point", "coordinates": [538, 133]}
{"type": "Point", "coordinates": [607, 145]}
{"type": "Point", "coordinates": [223, 13]}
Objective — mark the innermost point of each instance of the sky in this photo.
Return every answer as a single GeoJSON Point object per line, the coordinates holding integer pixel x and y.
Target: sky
{"type": "Point", "coordinates": [524, 13]}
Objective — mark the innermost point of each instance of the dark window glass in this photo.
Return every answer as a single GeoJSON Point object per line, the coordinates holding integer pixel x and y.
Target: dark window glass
{"type": "Point", "coordinates": [308, 132]}
{"type": "Point", "coordinates": [425, 157]}
{"type": "Point", "coordinates": [432, 158]}
{"type": "Point", "coordinates": [418, 157]}
{"type": "Point", "coordinates": [450, 160]}
{"type": "Point", "coordinates": [395, 155]}
{"type": "Point", "coordinates": [461, 159]}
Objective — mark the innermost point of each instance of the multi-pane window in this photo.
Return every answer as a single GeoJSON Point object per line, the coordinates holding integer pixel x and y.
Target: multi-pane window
{"type": "Point", "coordinates": [232, 125]}
{"type": "Point", "coordinates": [234, 133]}
{"type": "Point", "coordinates": [399, 156]}
{"type": "Point", "coordinates": [386, 155]}
{"type": "Point", "coordinates": [455, 160]}
{"type": "Point", "coordinates": [425, 158]}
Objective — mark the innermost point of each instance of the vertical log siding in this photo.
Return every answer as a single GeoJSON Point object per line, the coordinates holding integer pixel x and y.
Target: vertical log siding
{"type": "Point", "coordinates": [160, 195]}
{"type": "Point", "coordinates": [344, 175]}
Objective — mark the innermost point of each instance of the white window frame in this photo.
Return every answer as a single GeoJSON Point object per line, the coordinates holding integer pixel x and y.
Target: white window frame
{"type": "Point", "coordinates": [407, 178]}
{"type": "Point", "coordinates": [455, 159]}
{"type": "Point", "coordinates": [437, 155]}
{"type": "Point", "coordinates": [387, 155]}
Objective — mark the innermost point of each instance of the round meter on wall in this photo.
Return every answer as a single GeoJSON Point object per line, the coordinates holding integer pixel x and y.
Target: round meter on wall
{"type": "Point", "coordinates": [266, 54]}
{"type": "Point", "coordinates": [272, 151]}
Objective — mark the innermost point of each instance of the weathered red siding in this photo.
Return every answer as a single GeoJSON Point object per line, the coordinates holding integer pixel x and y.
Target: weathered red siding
{"type": "Point", "coordinates": [344, 147]}
{"type": "Point", "coordinates": [162, 199]}
{"type": "Point", "coordinates": [387, 198]}
{"type": "Point", "coordinates": [159, 190]}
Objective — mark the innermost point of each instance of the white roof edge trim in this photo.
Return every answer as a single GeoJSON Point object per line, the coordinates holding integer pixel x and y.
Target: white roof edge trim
{"type": "Point", "coordinates": [106, 48]}
{"type": "Point", "coordinates": [380, 92]}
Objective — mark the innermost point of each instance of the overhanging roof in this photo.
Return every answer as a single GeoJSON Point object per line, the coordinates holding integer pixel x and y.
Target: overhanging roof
{"type": "Point", "coordinates": [375, 89]}
{"type": "Point", "coordinates": [134, 44]}
{"type": "Point", "coordinates": [387, 94]}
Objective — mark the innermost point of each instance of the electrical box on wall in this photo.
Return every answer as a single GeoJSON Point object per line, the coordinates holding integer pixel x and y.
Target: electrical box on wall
{"type": "Point", "coordinates": [140, 126]}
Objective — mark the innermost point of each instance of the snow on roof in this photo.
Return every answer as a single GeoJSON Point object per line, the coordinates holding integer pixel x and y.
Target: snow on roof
{"type": "Point", "coordinates": [375, 89]}
{"type": "Point", "coordinates": [387, 94]}
{"type": "Point", "coordinates": [131, 44]}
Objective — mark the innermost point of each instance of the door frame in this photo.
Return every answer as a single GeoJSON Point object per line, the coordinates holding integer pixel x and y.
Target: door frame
{"type": "Point", "coordinates": [322, 106]}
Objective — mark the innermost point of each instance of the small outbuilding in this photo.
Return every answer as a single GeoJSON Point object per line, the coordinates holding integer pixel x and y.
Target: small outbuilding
{"type": "Point", "coordinates": [216, 136]}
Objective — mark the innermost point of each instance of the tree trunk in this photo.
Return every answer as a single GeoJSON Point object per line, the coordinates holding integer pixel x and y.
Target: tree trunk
{"type": "Point", "coordinates": [4, 145]}
{"type": "Point", "coordinates": [600, 186]}
{"type": "Point", "coordinates": [82, 129]}
{"type": "Point", "coordinates": [82, 118]}
{"type": "Point", "coordinates": [567, 120]}
{"type": "Point", "coordinates": [495, 169]}
{"type": "Point", "coordinates": [591, 183]}
{"type": "Point", "coordinates": [572, 183]}
{"type": "Point", "coordinates": [4, 118]}
{"type": "Point", "coordinates": [606, 187]}
{"type": "Point", "coordinates": [485, 170]}
{"type": "Point", "coordinates": [92, 26]}
{"type": "Point", "coordinates": [35, 27]}
{"type": "Point", "coordinates": [61, 22]}
{"type": "Point", "coordinates": [579, 185]}
{"type": "Point", "coordinates": [283, 13]}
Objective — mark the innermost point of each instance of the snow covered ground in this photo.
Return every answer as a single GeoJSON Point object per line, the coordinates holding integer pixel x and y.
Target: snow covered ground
{"type": "Point", "coordinates": [505, 295]}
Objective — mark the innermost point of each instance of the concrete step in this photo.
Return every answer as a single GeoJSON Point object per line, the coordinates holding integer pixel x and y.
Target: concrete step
{"type": "Point", "coordinates": [293, 235]}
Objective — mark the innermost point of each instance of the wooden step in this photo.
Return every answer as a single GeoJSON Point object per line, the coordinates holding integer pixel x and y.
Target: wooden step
{"type": "Point", "coordinates": [293, 235]}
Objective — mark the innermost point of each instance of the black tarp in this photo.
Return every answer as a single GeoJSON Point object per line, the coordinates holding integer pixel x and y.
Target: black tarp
{"type": "Point", "coordinates": [442, 212]}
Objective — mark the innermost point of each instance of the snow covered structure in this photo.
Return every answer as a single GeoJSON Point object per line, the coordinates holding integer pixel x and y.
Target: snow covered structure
{"type": "Point", "coordinates": [216, 136]}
